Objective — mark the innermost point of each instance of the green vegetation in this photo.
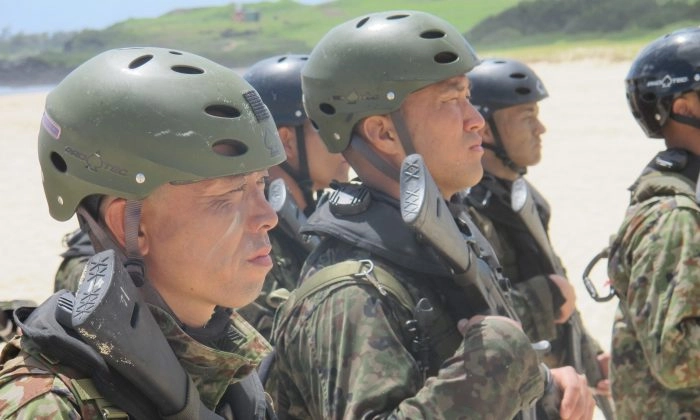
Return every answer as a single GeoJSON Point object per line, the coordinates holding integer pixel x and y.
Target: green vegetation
{"type": "Point", "coordinates": [599, 22]}
{"type": "Point", "coordinates": [526, 29]}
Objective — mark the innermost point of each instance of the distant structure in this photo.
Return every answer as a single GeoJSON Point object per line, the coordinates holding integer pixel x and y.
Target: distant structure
{"type": "Point", "coordinates": [243, 15]}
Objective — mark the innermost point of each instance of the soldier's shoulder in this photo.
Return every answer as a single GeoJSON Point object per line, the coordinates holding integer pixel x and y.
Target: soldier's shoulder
{"type": "Point", "coordinates": [29, 390]}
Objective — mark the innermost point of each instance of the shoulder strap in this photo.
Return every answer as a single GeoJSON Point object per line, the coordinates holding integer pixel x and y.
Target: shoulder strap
{"type": "Point", "coordinates": [663, 184]}
{"type": "Point", "coordinates": [85, 390]}
{"type": "Point", "coordinates": [358, 272]}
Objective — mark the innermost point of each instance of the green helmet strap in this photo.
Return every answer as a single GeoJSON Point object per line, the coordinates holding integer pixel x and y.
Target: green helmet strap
{"type": "Point", "coordinates": [401, 129]}
{"type": "Point", "coordinates": [134, 260]}
{"type": "Point", "coordinates": [359, 144]}
{"type": "Point", "coordinates": [101, 240]}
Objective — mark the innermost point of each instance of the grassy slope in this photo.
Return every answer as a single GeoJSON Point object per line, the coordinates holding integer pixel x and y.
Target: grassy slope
{"type": "Point", "coordinates": [285, 26]}
{"type": "Point", "coordinates": [611, 47]}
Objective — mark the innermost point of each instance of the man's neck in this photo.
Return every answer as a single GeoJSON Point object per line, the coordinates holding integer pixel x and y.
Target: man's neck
{"type": "Point", "coordinates": [496, 168]}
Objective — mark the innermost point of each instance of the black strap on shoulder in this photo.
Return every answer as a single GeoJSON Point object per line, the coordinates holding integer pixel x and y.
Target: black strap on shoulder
{"type": "Point", "coordinates": [246, 399]}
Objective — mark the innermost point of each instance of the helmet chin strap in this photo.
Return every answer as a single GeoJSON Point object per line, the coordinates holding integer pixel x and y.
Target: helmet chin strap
{"type": "Point", "coordinates": [131, 256]}
{"type": "Point", "coordinates": [379, 162]}
{"type": "Point", "coordinates": [401, 129]}
{"type": "Point", "coordinates": [683, 119]}
{"type": "Point", "coordinates": [303, 176]}
{"type": "Point", "coordinates": [500, 151]}
{"type": "Point", "coordinates": [134, 260]}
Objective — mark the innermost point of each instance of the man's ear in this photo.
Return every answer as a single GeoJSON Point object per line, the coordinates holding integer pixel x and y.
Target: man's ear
{"type": "Point", "coordinates": [379, 131]}
{"type": "Point", "coordinates": [289, 142]}
{"type": "Point", "coordinates": [681, 106]}
{"type": "Point", "coordinates": [113, 210]}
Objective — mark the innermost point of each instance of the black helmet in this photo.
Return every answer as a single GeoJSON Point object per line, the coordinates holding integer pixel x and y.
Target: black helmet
{"type": "Point", "coordinates": [498, 83]}
{"type": "Point", "coordinates": [278, 81]}
{"type": "Point", "coordinates": [663, 70]}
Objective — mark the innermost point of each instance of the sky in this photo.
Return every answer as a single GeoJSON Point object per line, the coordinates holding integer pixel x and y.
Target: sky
{"type": "Point", "coordinates": [36, 16]}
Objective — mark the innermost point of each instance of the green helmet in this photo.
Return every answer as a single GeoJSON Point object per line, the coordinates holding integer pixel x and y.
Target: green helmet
{"type": "Point", "coordinates": [130, 120]}
{"type": "Point", "coordinates": [367, 66]}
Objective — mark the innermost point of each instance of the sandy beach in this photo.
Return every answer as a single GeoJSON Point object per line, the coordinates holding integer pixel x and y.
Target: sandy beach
{"type": "Point", "coordinates": [593, 150]}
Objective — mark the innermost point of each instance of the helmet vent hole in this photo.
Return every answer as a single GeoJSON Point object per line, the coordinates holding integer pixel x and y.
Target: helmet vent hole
{"type": "Point", "coordinates": [362, 22]}
{"type": "Point", "coordinates": [314, 125]}
{"type": "Point", "coordinates": [446, 57]}
{"type": "Point", "coordinates": [327, 108]}
{"type": "Point", "coordinates": [432, 34]}
{"type": "Point", "coordinates": [395, 17]}
{"type": "Point", "coordinates": [229, 147]}
{"type": "Point", "coordinates": [140, 61]}
{"type": "Point", "coordinates": [282, 59]}
{"type": "Point", "coordinates": [187, 69]}
{"type": "Point", "coordinates": [522, 91]}
{"type": "Point", "coordinates": [518, 76]}
{"type": "Point", "coordinates": [58, 162]}
{"type": "Point", "coordinates": [223, 111]}
{"type": "Point", "coordinates": [175, 52]}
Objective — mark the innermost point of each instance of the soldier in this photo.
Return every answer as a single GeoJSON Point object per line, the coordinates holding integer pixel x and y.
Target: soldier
{"type": "Point", "coordinates": [506, 93]}
{"type": "Point", "coordinates": [163, 155]}
{"type": "Point", "coordinates": [654, 260]}
{"type": "Point", "coordinates": [309, 168]}
{"type": "Point", "coordinates": [380, 87]}
{"type": "Point", "coordinates": [79, 250]}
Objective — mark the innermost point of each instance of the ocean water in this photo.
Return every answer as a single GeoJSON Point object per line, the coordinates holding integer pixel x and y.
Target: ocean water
{"type": "Point", "coordinates": [11, 90]}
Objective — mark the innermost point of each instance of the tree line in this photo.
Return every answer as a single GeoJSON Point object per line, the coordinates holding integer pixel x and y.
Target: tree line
{"type": "Point", "coordinates": [574, 17]}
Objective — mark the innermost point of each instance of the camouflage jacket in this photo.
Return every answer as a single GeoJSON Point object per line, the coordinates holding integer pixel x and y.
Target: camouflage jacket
{"type": "Point", "coordinates": [79, 250]}
{"type": "Point", "coordinates": [345, 352]}
{"type": "Point", "coordinates": [654, 267]}
{"type": "Point", "coordinates": [288, 257]}
{"type": "Point", "coordinates": [34, 384]}
{"type": "Point", "coordinates": [536, 298]}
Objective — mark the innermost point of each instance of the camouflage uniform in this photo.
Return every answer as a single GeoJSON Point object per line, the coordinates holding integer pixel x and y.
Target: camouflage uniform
{"type": "Point", "coordinates": [35, 385]}
{"type": "Point", "coordinates": [288, 257]}
{"type": "Point", "coordinates": [79, 250]}
{"type": "Point", "coordinates": [345, 350]}
{"type": "Point", "coordinates": [536, 298]}
{"type": "Point", "coordinates": [654, 267]}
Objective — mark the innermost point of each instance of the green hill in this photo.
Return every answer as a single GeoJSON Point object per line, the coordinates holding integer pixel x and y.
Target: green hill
{"type": "Point", "coordinates": [282, 26]}
{"type": "Point", "coordinates": [576, 28]}
{"type": "Point", "coordinates": [237, 38]}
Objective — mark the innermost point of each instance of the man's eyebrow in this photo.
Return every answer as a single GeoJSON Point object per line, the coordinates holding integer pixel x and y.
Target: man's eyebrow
{"type": "Point", "coordinates": [455, 85]}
